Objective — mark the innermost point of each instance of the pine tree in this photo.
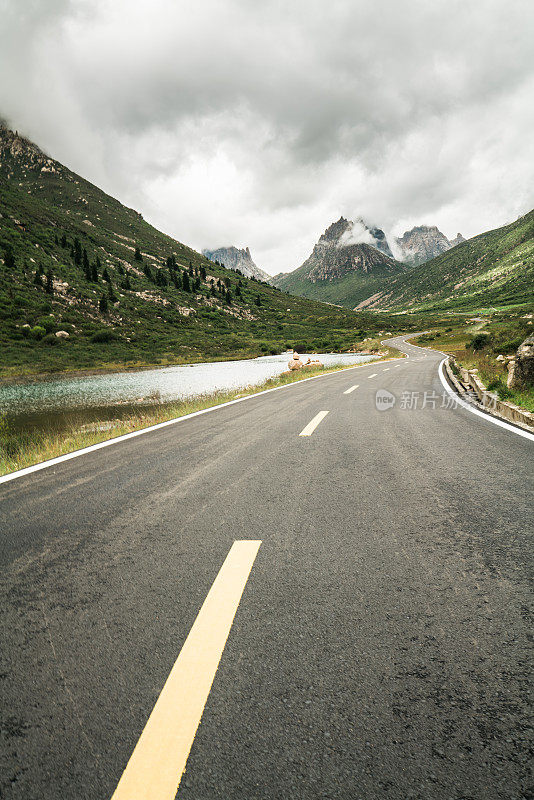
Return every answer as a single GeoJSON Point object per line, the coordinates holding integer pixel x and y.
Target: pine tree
{"type": "Point", "coordinates": [258, 300]}
{"type": "Point", "coordinates": [77, 251]}
{"type": "Point", "coordinates": [185, 282]}
{"type": "Point", "coordinates": [111, 293]}
{"type": "Point", "coordinates": [203, 272]}
{"type": "Point", "coordinates": [138, 256]}
{"type": "Point", "coordinates": [9, 258]}
{"type": "Point", "coordinates": [105, 275]}
{"type": "Point", "coordinates": [94, 273]}
{"type": "Point", "coordinates": [176, 280]}
{"type": "Point", "coordinates": [103, 304]}
{"type": "Point", "coordinates": [196, 285]}
{"type": "Point", "coordinates": [64, 240]}
{"type": "Point", "coordinates": [37, 279]}
{"type": "Point", "coordinates": [228, 297]}
{"type": "Point", "coordinates": [86, 267]}
{"type": "Point", "coordinates": [98, 264]}
{"type": "Point", "coordinates": [237, 291]}
{"type": "Point", "coordinates": [126, 283]}
{"type": "Point", "coordinates": [56, 239]}
{"type": "Point", "coordinates": [49, 288]}
{"type": "Point", "coordinates": [161, 278]}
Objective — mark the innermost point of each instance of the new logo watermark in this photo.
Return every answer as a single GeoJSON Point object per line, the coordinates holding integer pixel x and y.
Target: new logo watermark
{"type": "Point", "coordinates": [413, 401]}
{"type": "Point", "coordinates": [384, 400]}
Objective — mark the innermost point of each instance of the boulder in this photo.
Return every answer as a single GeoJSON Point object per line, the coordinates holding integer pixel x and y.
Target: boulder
{"type": "Point", "coordinates": [500, 358]}
{"type": "Point", "coordinates": [295, 363]}
{"type": "Point", "coordinates": [62, 334]}
{"type": "Point", "coordinates": [521, 369]}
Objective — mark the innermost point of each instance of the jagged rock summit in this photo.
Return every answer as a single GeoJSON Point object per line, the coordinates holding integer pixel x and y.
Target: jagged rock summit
{"type": "Point", "coordinates": [19, 151]}
{"type": "Point", "coordinates": [425, 242]}
{"type": "Point", "coordinates": [233, 258]}
{"type": "Point", "coordinates": [345, 247]}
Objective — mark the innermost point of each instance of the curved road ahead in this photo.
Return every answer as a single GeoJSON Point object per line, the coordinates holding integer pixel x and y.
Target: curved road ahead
{"type": "Point", "coordinates": [380, 643]}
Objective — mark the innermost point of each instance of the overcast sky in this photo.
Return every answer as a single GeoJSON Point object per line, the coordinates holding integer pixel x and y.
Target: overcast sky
{"type": "Point", "coordinates": [259, 123]}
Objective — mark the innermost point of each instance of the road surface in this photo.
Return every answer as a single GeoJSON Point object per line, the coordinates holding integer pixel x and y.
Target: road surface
{"type": "Point", "coordinates": [379, 647]}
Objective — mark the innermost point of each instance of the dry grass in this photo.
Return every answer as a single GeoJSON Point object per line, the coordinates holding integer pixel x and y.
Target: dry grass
{"type": "Point", "coordinates": [23, 449]}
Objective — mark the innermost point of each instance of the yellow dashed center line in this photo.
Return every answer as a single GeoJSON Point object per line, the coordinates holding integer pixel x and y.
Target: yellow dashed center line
{"type": "Point", "coordinates": [311, 426]}
{"type": "Point", "coordinates": [158, 761]}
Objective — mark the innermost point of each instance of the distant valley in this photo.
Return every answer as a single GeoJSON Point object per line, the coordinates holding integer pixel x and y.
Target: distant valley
{"type": "Point", "coordinates": [86, 282]}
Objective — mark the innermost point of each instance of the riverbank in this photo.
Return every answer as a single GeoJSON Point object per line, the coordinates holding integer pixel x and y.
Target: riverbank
{"type": "Point", "coordinates": [19, 449]}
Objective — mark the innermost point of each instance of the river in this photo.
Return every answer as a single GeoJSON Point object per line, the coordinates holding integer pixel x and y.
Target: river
{"type": "Point", "coordinates": [57, 401]}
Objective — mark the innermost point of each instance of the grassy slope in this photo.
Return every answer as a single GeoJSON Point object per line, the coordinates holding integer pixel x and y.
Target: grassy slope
{"type": "Point", "coordinates": [150, 324]}
{"type": "Point", "coordinates": [494, 269]}
{"type": "Point", "coordinates": [505, 332]}
{"type": "Point", "coordinates": [346, 291]}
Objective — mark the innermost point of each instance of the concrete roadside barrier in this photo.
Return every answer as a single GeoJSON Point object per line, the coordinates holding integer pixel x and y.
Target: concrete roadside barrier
{"type": "Point", "coordinates": [470, 387]}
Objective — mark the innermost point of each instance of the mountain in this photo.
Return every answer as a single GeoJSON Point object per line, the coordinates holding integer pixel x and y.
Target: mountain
{"type": "Point", "coordinates": [347, 262]}
{"type": "Point", "coordinates": [458, 239]}
{"type": "Point", "coordinates": [423, 243]}
{"type": "Point", "coordinates": [233, 258]}
{"type": "Point", "coordinates": [74, 259]}
{"type": "Point", "coordinates": [493, 269]}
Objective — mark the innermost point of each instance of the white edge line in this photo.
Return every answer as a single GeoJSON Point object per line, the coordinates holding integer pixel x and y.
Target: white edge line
{"type": "Point", "coordinates": [108, 442]}
{"type": "Point", "coordinates": [487, 417]}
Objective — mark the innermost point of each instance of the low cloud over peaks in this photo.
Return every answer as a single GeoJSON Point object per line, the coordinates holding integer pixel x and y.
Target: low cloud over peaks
{"type": "Point", "coordinates": [259, 124]}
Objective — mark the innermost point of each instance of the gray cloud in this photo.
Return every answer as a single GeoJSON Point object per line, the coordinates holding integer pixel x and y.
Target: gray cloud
{"type": "Point", "coordinates": [258, 124]}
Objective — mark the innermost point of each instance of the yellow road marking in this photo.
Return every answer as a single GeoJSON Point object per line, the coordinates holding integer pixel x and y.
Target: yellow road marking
{"type": "Point", "coordinates": [373, 375]}
{"type": "Point", "coordinates": [311, 426]}
{"type": "Point", "coordinates": [352, 388]}
{"type": "Point", "coordinates": [158, 761]}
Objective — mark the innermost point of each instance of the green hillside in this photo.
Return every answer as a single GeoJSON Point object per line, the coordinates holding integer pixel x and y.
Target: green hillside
{"type": "Point", "coordinates": [492, 270]}
{"type": "Point", "coordinates": [348, 290]}
{"type": "Point", "coordinates": [340, 270]}
{"type": "Point", "coordinates": [69, 262]}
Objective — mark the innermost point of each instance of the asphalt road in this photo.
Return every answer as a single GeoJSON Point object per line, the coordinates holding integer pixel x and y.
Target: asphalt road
{"type": "Point", "coordinates": [380, 646]}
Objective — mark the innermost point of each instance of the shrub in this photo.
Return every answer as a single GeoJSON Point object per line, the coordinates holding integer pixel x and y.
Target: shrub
{"type": "Point", "coordinates": [51, 339]}
{"type": "Point", "coordinates": [501, 388]}
{"type": "Point", "coordinates": [479, 341]}
{"type": "Point", "coordinates": [508, 345]}
{"type": "Point", "coordinates": [48, 323]}
{"type": "Point", "coordinates": [37, 332]}
{"type": "Point", "coordinates": [102, 337]}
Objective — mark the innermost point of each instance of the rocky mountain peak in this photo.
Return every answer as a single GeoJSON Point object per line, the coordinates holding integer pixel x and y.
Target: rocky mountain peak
{"type": "Point", "coordinates": [422, 243]}
{"type": "Point", "coordinates": [17, 152]}
{"type": "Point", "coordinates": [234, 258]}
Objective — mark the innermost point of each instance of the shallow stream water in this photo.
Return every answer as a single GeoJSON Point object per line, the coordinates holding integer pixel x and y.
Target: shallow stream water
{"type": "Point", "coordinates": [55, 402]}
